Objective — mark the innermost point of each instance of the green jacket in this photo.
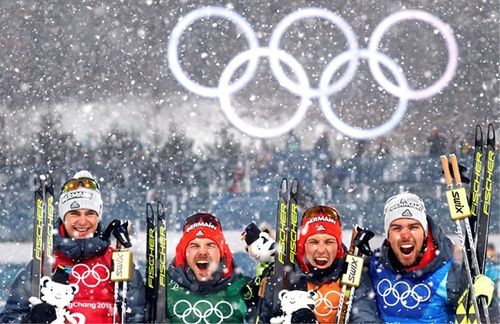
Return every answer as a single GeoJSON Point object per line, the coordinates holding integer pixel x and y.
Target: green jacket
{"type": "Point", "coordinates": [217, 302]}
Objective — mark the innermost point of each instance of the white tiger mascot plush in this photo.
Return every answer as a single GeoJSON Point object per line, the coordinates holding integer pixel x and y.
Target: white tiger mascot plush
{"type": "Point", "coordinates": [57, 294]}
{"type": "Point", "coordinates": [297, 307]}
{"type": "Point", "coordinates": [260, 245]}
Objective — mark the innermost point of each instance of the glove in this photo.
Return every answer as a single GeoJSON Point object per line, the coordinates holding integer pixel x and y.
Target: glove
{"type": "Point", "coordinates": [80, 249]}
{"type": "Point", "coordinates": [91, 247]}
{"type": "Point", "coordinates": [119, 229]}
{"type": "Point", "coordinates": [304, 315]}
{"type": "Point", "coordinates": [67, 246]}
{"type": "Point", "coordinates": [277, 320]}
{"type": "Point", "coordinates": [297, 307]}
{"type": "Point", "coordinates": [251, 289]}
{"type": "Point", "coordinates": [41, 313]}
{"type": "Point", "coordinates": [484, 286]}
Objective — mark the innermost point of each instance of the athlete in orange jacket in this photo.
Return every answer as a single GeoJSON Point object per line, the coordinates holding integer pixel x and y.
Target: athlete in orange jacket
{"type": "Point", "coordinates": [320, 257]}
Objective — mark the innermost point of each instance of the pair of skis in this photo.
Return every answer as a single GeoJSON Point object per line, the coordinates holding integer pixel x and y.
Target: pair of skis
{"type": "Point", "coordinates": [473, 212]}
{"type": "Point", "coordinates": [156, 263]}
{"type": "Point", "coordinates": [481, 191]}
{"type": "Point", "coordinates": [286, 238]}
{"type": "Point", "coordinates": [43, 228]}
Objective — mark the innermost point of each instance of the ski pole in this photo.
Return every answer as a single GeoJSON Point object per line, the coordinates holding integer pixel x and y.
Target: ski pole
{"type": "Point", "coordinates": [456, 196]}
{"type": "Point", "coordinates": [352, 275]}
{"type": "Point", "coordinates": [122, 265]}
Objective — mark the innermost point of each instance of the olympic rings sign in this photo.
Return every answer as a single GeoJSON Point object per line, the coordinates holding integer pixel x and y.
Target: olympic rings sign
{"type": "Point", "coordinates": [401, 292]}
{"type": "Point", "coordinates": [302, 87]}
{"type": "Point", "coordinates": [202, 310]}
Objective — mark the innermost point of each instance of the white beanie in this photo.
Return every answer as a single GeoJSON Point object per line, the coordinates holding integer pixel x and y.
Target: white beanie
{"type": "Point", "coordinates": [404, 205]}
{"type": "Point", "coordinates": [80, 198]}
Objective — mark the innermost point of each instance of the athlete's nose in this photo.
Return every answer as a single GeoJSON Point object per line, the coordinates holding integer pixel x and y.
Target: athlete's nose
{"type": "Point", "coordinates": [405, 232]}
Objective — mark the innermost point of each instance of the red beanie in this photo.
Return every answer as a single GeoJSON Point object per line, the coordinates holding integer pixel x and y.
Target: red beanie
{"type": "Point", "coordinates": [203, 225]}
{"type": "Point", "coordinates": [318, 220]}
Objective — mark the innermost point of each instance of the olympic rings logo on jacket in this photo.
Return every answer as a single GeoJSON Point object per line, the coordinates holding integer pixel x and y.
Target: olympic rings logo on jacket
{"type": "Point", "coordinates": [203, 310]}
{"type": "Point", "coordinates": [401, 292]}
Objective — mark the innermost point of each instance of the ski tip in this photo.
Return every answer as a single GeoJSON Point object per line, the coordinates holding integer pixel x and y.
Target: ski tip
{"type": "Point", "coordinates": [37, 182]}
{"type": "Point", "coordinates": [491, 134]}
{"type": "Point", "coordinates": [149, 208]}
{"type": "Point", "coordinates": [478, 140]}
{"type": "Point", "coordinates": [160, 208]}
{"type": "Point", "coordinates": [295, 186]}
{"type": "Point", "coordinates": [49, 182]}
{"type": "Point", "coordinates": [284, 185]}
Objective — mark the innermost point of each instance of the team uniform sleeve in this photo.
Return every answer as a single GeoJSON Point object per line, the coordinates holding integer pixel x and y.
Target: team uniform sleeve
{"type": "Point", "coordinates": [18, 305]}
{"type": "Point", "coordinates": [135, 297]}
{"type": "Point", "coordinates": [457, 282]}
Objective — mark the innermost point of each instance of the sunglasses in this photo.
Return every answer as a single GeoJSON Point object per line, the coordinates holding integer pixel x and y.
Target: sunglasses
{"type": "Point", "coordinates": [74, 184]}
{"type": "Point", "coordinates": [321, 211]}
{"type": "Point", "coordinates": [202, 218]}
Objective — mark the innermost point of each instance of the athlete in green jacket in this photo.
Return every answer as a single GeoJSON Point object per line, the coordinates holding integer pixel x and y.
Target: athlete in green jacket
{"type": "Point", "coordinates": [202, 284]}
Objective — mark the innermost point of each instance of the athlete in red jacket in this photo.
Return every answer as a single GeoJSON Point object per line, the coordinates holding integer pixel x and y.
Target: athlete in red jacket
{"type": "Point", "coordinates": [84, 251]}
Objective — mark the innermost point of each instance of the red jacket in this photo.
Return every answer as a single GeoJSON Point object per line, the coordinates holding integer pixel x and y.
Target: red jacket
{"type": "Point", "coordinates": [95, 297]}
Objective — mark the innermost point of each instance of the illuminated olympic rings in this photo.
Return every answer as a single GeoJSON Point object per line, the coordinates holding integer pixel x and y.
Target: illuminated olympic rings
{"type": "Point", "coordinates": [302, 87]}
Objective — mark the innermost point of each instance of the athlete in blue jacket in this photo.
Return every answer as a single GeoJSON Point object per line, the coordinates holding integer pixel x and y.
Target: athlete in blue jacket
{"type": "Point", "coordinates": [417, 275]}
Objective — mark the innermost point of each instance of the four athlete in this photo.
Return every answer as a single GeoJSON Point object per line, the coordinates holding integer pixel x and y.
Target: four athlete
{"type": "Point", "coordinates": [417, 275]}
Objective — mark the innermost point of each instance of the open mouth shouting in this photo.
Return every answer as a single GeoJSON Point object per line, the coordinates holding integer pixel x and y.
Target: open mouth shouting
{"type": "Point", "coordinates": [320, 262]}
{"type": "Point", "coordinates": [407, 253]}
{"type": "Point", "coordinates": [202, 265]}
{"type": "Point", "coordinates": [204, 269]}
{"type": "Point", "coordinates": [407, 249]}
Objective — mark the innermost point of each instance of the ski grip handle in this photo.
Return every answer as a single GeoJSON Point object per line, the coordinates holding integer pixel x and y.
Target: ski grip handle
{"type": "Point", "coordinates": [122, 266]}
{"type": "Point", "coordinates": [352, 276]}
{"type": "Point", "coordinates": [446, 169]}
{"type": "Point", "coordinates": [456, 170]}
{"type": "Point", "coordinates": [457, 201]}
{"type": "Point", "coordinates": [455, 195]}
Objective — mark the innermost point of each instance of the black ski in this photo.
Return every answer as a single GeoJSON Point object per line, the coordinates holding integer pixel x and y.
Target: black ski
{"type": "Point", "coordinates": [292, 226]}
{"type": "Point", "coordinates": [156, 266]}
{"type": "Point", "coordinates": [280, 256]}
{"type": "Point", "coordinates": [150, 291]}
{"type": "Point", "coordinates": [161, 246]}
{"type": "Point", "coordinates": [42, 231]}
{"type": "Point", "coordinates": [483, 219]}
{"type": "Point", "coordinates": [475, 185]}
{"type": "Point", "coordinates": [38, 220]}
{"type": "Point", "coordinates": [479, 201]}
{"type": "Point", "coordinates": [286, 237]}
{"type": "Point", "coordinates": [49, 226]}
